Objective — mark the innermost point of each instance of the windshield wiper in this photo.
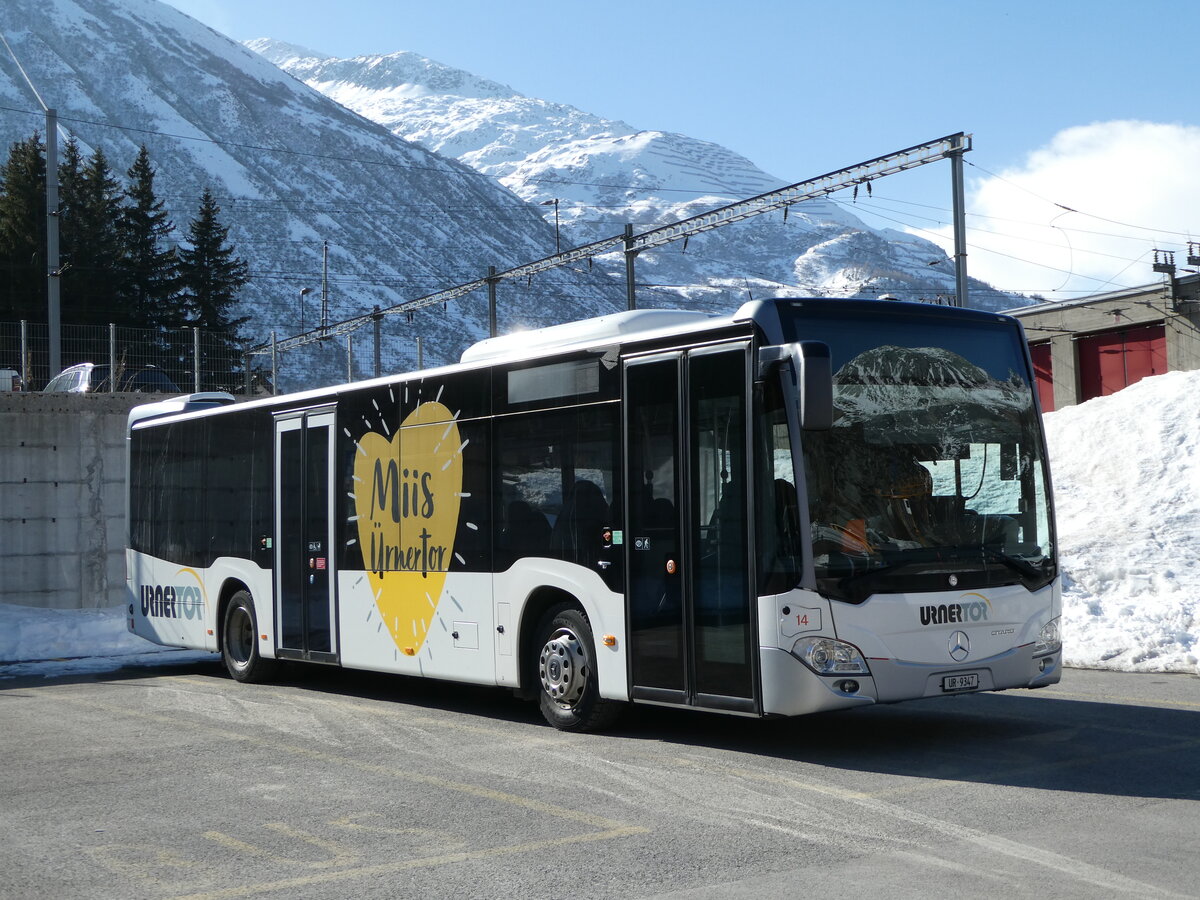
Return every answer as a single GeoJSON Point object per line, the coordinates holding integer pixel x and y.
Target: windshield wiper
{"type": "Point", "coordinates": [942, 560]}
{"type": "Point", "coordinates": [929, 556]}
{"type": "Point", "coordinates": [1016, 563]}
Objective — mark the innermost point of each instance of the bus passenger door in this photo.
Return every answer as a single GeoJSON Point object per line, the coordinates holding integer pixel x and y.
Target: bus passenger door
{"type": "Point", "coordinates": [304, 534]}
{"type": "Point", "coordinates": [690, 591]}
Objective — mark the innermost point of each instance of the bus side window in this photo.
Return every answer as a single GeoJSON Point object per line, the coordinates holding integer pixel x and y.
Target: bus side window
{"type": "Point", "coordinates": [577, 532]}
{"type": "Point", "coordinates": [525, 532]}
{"type": "Point", "coordinates": [556, 480]}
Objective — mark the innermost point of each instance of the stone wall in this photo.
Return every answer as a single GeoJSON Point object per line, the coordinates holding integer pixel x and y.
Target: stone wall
{"type": "Point", "coordinates": [62, 498]}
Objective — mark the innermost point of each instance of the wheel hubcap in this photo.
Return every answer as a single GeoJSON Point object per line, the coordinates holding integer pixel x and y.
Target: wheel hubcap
{"type": "Point", "coordinates": [563, 668]}
{"type": "Point", "coordinates": [240, 637]}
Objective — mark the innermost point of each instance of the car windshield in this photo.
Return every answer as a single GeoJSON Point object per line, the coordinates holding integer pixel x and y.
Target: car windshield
{"type": "Point", "coordinates": [934, 472]}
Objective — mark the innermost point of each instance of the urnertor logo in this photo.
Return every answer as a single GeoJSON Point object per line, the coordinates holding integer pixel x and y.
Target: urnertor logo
{"type": "Point", "coordinates": [175, 601]}
{"type": "Point", "coordinates": [970, 608]}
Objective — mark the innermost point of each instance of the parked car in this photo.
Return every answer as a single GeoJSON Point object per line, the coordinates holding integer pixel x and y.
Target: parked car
{"type": "Point", "coordinates": [10, 380]}
{"type": "Point", "coordinates": [89, 378]}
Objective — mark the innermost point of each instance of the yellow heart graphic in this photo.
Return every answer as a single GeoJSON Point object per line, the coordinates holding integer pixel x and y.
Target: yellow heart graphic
{"type": "Point", "coordinates": [407, 492]}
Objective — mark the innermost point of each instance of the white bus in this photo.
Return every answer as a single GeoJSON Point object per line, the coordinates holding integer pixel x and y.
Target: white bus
{"type": "Point", "coordinates": [809, 505]}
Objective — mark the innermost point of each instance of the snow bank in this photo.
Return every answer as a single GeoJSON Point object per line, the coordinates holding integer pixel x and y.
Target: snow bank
{"type": "Point", "coordinates": [1126, 476]}
{"type": "Point", "coordinates": [53, 641]}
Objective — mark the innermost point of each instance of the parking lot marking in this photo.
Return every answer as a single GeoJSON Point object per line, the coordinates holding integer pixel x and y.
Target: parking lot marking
{"type": "Point", "coordinates": [403, 714]}
{"type": "Point", "coordinates": [303, 881]}
{"type": "Point", "coordinates": [1077, 869]}
{"type": "Point", "coordinates": [277, 746]}
{"type": "Point", "coordinates": [339, 854]}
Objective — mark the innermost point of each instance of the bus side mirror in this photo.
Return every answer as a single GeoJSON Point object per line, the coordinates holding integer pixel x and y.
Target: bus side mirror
{"type": "Point", "coordinates": [814, 384]}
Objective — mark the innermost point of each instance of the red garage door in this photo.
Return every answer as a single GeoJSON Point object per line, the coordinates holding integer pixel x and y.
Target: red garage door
{"type": "Point", "coordinates": [1043, 372]}
{"type": "Point", "coordinates": [1117, 359]}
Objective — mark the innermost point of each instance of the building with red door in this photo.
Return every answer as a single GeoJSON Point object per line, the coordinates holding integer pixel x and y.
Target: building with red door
{"type": "Point", "coordinates": [1097, 345]}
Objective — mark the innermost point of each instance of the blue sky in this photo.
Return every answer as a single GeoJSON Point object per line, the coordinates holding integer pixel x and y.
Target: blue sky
{"type": "Point", "coordinates": [802, 88]}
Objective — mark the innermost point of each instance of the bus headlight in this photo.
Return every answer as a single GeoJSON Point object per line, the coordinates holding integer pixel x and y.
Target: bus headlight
{"type": "Point", "coordinates": [826, 656]}
{"type": "Point", "coordinates": [1049, 639]}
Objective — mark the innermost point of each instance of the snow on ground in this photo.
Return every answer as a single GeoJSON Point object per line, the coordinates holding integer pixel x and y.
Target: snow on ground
{"type": "Point", "coordinates": [1126, 472]}
{"type": "Point", "coordinates": [57, 641]}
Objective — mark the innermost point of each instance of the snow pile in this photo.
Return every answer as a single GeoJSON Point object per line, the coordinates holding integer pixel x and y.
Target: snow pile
{"type": "Point", "coordinates": [1126, 472]}
{"type": "Point", "coordinates": [73, 640]}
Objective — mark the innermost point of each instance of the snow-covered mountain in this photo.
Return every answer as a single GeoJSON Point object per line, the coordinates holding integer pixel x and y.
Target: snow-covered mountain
{"type": "Point", "coordinates": [291, 170]}
{"type": "Point", "coordinates": [597, 174]}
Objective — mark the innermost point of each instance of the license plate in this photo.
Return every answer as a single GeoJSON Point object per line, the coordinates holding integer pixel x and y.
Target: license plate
{"type": "Point", "coordinates": [960, 682]}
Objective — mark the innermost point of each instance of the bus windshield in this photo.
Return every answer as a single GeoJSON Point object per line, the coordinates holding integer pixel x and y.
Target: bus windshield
{"type": "Point", "coordinates": [933, 476]}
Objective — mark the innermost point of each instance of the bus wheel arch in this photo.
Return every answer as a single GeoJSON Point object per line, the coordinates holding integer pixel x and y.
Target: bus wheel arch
{"type": "Point", "coordinates": [559, 662]}
{"type": "Point", "coordinates": [238, 636]}
{"type": "Point", "coordinates": [533, 611]}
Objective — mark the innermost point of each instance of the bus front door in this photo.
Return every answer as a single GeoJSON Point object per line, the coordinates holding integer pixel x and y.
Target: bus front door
{"type": "Point", "coordinates": [304, 535]}
{"type": "Point", "coordinates": [690, 592]}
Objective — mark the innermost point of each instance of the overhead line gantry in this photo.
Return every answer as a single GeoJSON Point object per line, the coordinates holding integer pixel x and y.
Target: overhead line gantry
{"type": "Point", "coordinates": [951, 147]}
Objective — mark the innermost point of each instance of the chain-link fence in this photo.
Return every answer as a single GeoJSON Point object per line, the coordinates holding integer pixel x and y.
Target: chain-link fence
{"type": "Point", "coordinates": [191, 358]}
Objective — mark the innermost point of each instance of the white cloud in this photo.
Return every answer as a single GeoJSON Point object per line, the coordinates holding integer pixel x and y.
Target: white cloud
{"type": "Point", "coordinates": [1133, 187]}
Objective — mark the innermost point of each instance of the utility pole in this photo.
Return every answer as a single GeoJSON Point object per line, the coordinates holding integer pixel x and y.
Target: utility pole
{"type": "Point", "coordinates": [377, 321]}
{"type": "Point", "coordinates": [53, 270]}
{"type": "Point", "coordinates": [630, 256]}
{"type": "Point", "coordinates": [324, 285]}
{"type": "Point", "coordinates": [557, 241]}
{"type": "Point", "coordinates": [960, 227]}
{"type": "Point", "coordinates": [491, 286]}
{"type": "Point", "coordinates": [1164, 264]}
{"type": "Point", "coordinates": [304, 292]}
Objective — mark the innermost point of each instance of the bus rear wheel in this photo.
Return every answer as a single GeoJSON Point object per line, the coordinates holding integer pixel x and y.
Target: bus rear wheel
{"type": "Point", "coordinates": [239, 642]}
{"type": "Point", "coordinates": [569, 694]}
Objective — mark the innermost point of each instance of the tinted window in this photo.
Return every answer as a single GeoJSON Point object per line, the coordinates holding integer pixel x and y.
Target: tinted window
{"type": "Point", "coordinates": [556, 487]}
{"type": "Point", "coordinates": [150, 380]}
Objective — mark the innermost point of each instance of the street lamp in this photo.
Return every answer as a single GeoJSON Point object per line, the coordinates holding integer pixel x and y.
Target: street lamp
{"type": "Point", "coordinates": [303, 292]}
{"type": "Point", "coordinates": [554, 203]}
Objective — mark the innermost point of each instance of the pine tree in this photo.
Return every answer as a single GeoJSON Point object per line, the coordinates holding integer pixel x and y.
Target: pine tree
{"type": "Point", "coordinates": [211, 276]}
{"type": "Point", "coordinates": [70, 222]}
{"type": "Point", "coordinates": [150, 264]}
{"type": "Point", "coordinates": [23, 232]}
{"type": "Point", "coordinates": [92, 261]}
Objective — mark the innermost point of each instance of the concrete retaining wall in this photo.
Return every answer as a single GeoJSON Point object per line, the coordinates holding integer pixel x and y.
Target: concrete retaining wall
{"type": "Point", "coordinates": [62, 498]}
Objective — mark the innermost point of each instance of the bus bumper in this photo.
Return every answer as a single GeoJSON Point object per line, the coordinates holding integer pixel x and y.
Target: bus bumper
{"type": "Point", "coordinates": [790, 688]}
{"type": "Point", "coordinates": [1018, 668]}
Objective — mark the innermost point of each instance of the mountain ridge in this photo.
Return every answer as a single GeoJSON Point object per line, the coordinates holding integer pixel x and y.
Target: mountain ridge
{"type": "Point", "coordinates": [599, 174]}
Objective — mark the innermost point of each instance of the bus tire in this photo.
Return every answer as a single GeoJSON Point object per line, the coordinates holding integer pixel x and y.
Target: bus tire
{"type": "Point", "coordinates": [239, 642]}
{"type": "Point", "coordinates": [568, 688]}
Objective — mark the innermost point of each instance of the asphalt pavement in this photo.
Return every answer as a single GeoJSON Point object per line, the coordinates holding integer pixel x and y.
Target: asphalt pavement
{"type": "Point", "coordinates": [174, 781]}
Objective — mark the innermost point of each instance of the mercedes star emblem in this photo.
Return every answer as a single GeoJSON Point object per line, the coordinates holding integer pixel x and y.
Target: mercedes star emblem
{"type": "Point", "coordinates": [960, 646]}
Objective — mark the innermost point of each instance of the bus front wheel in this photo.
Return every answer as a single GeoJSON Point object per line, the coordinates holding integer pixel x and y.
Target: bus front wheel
{"type": "Point", "coordinates": [239, 642]}
{"type": "Point", "coordinates": [569, 693]}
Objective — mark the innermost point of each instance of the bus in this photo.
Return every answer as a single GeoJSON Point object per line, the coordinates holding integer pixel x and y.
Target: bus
{"type": "Point", "coordinates": [810, 505]}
